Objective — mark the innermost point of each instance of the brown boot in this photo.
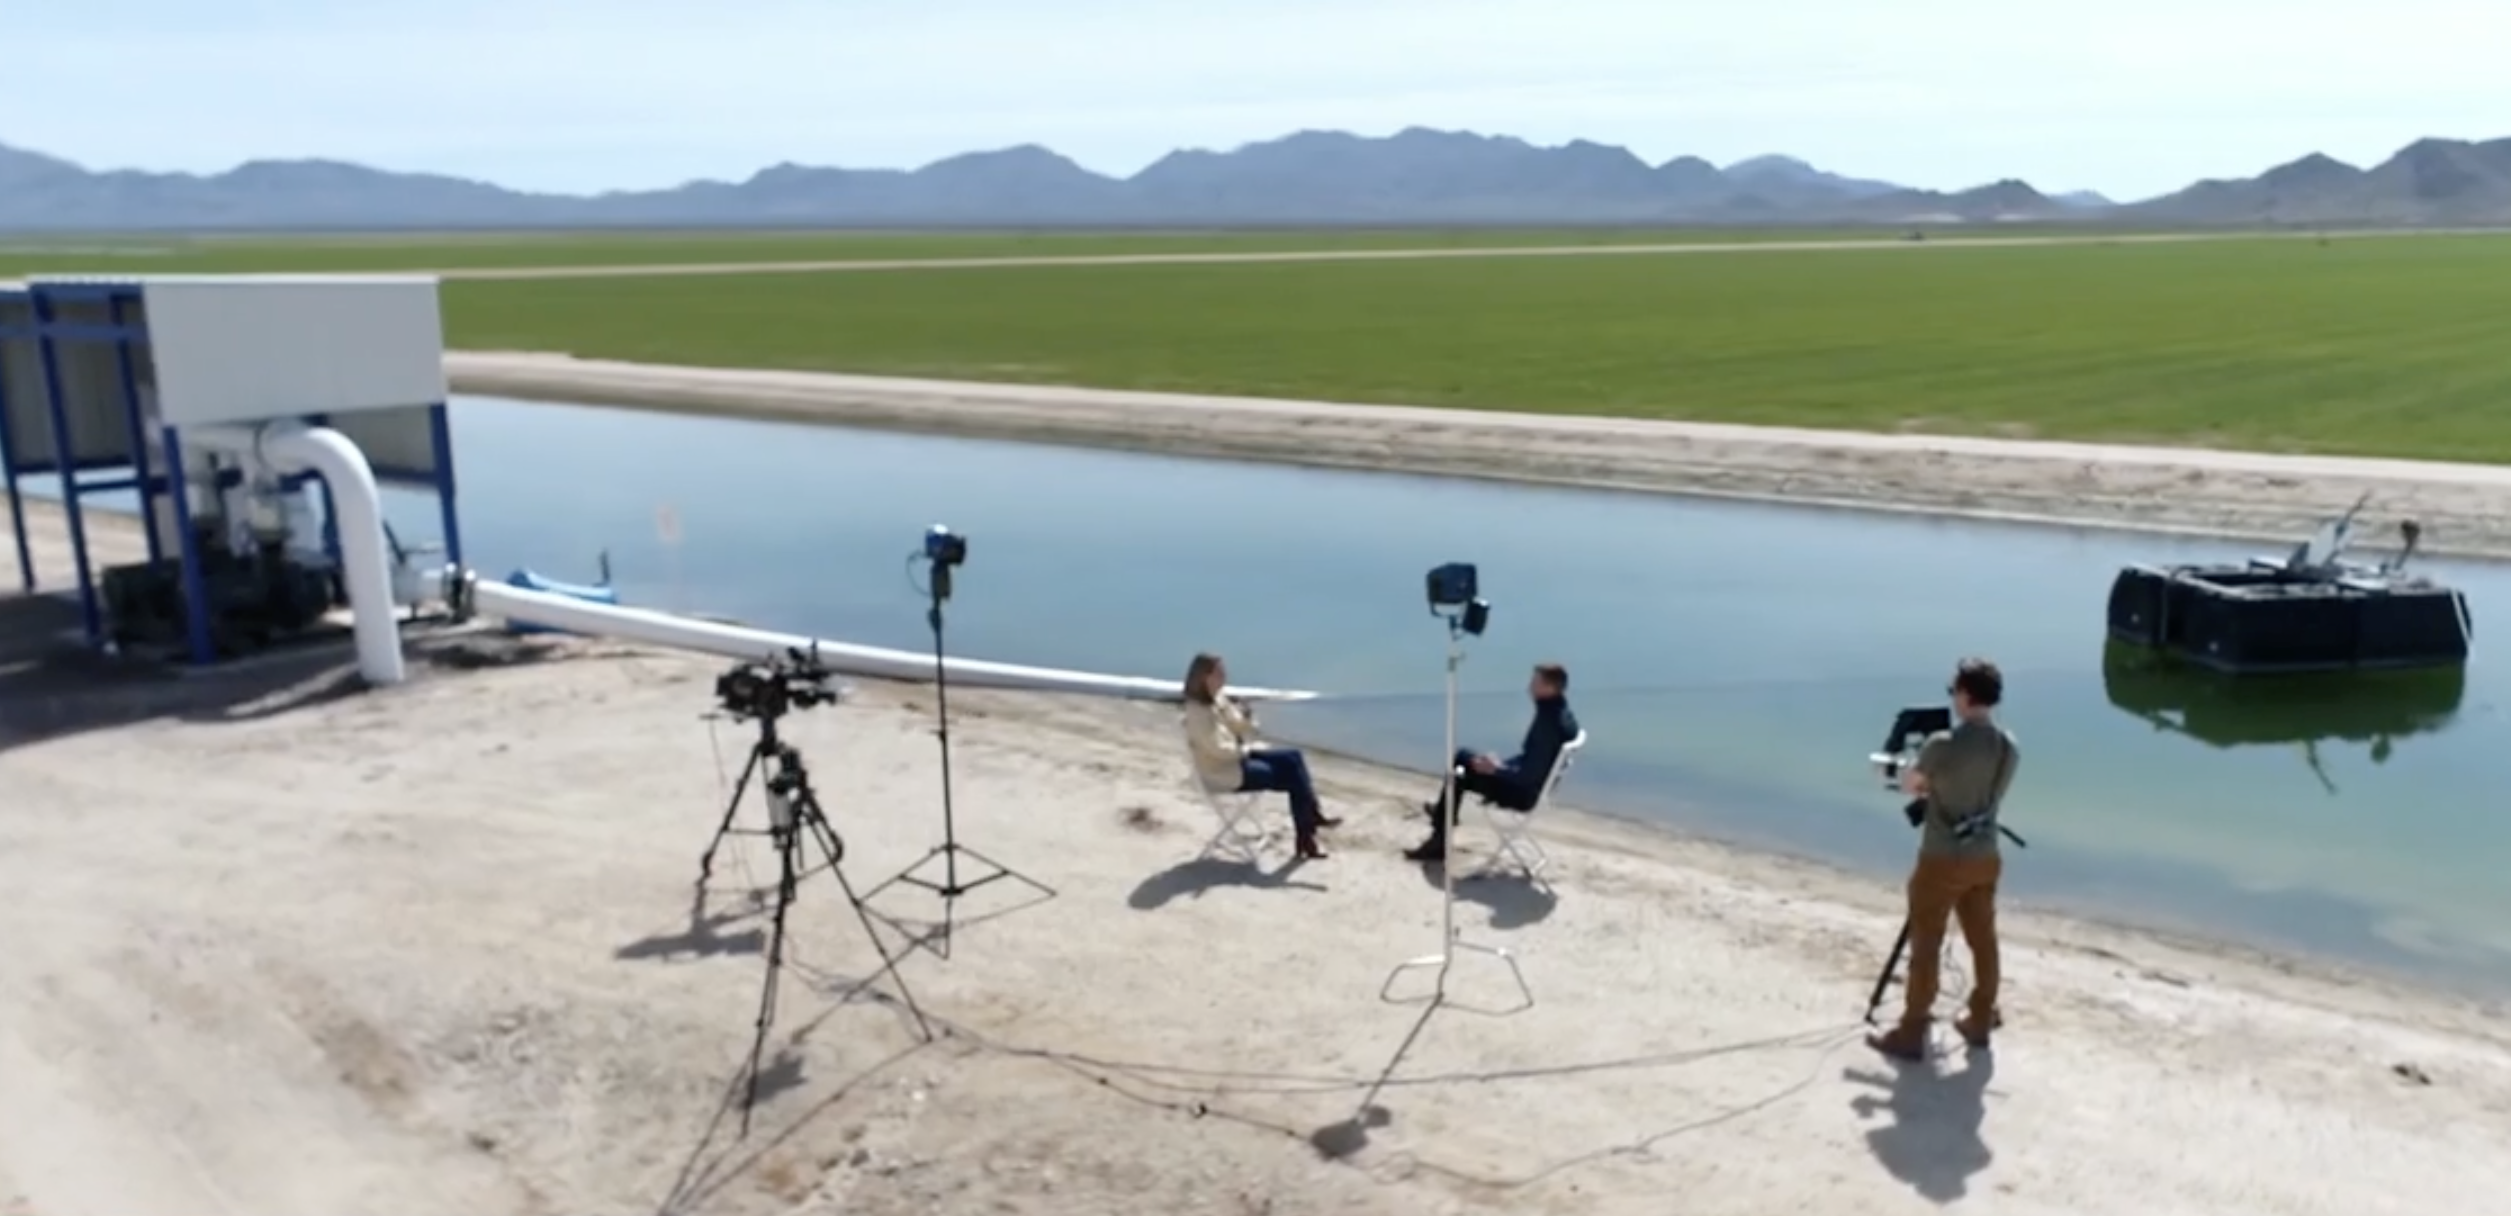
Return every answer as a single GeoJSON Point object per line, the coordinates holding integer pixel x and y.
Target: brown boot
{"type": "Point", "coordinates": [1904, 1042]}
{"type": "Point", "coordinates": [1975, 1027]}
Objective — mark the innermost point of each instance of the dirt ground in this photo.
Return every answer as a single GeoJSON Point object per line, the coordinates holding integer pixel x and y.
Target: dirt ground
{"type": "Point", "coordinates": [274, 946]}
{"type": "Point", "coordinates": [2465, 509]}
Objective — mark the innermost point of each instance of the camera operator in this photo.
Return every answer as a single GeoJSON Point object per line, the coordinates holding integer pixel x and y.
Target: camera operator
{"type": "Point", "coordinates": [1514, 783]}
{"type": "Point", "coordinates": [1960, 778]}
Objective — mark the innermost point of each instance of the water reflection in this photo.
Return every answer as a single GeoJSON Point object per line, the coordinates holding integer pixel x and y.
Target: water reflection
{"type": "Point", "coordinates": [2375, 708]}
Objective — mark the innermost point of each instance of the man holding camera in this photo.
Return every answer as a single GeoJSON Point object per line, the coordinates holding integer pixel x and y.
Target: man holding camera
{"type": "Point", "coordinates": [1516, 782]}
{"type": "Point", "coordinates": [1959, 779]}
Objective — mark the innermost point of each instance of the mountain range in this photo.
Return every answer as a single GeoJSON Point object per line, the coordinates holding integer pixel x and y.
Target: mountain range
{"type": "Point", "coordinates": [1415, 177]}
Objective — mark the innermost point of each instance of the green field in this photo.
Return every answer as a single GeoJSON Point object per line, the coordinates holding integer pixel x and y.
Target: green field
{"type": "Point", "coordinates": [320, 254]}
{"type": "Point", "coordinates": [2387, 347]}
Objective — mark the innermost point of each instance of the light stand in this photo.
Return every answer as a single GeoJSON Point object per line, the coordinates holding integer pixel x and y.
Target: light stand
{"type": "Point", "coordinates": [942, 552]}
{"type": "Point", "coordinates": [793, 812]}
{"type": "Point", "coordinates": [1468, 618]}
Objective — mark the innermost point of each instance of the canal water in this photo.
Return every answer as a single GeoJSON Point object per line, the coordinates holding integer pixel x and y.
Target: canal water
{"type": "Point", "coordinates": [1734, 663]}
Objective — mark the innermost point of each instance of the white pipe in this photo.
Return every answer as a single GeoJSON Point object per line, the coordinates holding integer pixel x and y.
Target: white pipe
{"type": "Point", "coordinates": [285, 448]}
{"type": "Point", "coordinates": [737, 642]}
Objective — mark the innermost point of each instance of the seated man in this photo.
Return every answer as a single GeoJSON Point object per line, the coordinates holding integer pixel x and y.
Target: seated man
{"type": "Point", "coordinates": [1516, 782]}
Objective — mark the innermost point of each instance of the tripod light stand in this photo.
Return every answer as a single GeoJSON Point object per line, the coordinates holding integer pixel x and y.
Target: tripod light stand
{"type": "Point", "coordinates": [1466, 614]}
{"type": "Point", "coordinates": [794, 815]}
{"type": "Point", "coordinates": [943, 551]}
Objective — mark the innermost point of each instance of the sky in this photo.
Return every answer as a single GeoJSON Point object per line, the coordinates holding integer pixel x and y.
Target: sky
{"type": "Point", "coordinates": [2130, 97]}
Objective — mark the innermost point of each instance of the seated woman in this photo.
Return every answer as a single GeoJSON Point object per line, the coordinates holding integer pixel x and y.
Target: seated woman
{"type": "Point", "coordinates": [1226, 757]}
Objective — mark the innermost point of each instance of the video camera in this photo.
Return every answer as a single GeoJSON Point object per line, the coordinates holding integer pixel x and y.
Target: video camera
{"type": "Point", "coordinates": [1455, 592]}
{"type": "Point", "coordinates": [943, 547]}
{"type": "Point", "coordinates": [770, 688]}
{"type": "Point", "coordinates": [1910, 729]}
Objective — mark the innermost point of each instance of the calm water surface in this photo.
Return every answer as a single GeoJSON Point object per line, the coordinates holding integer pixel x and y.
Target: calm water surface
{"type": "Point", "coordinates": [1735, 663]}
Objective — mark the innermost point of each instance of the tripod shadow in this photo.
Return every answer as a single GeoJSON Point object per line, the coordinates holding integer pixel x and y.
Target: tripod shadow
{"type": "Point", "coordinates": [703, 1174]}
{"type": "Point", "coordinates": [1346, 1137]}
{"type": "Point", "coordinates": [702, 938]}
{"type": "Point", "coordinates": [1933, 1142]}
{"type": "Point", "coordinates": [1193, 878]}
{"type": "Point", "coordinates": [1515, 901]}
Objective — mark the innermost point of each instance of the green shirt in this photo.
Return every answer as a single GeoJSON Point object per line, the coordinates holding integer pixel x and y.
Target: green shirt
{"type": "Point", "coordinates": [1968, 770]}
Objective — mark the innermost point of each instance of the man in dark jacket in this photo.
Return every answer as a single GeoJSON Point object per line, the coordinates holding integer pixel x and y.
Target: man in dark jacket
{"type": "Point", "coordinates": [1514, 783]}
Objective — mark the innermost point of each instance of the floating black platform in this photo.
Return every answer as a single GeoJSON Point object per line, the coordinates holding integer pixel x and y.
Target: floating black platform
{"type": "Point", "coordinates": [2311, 611]}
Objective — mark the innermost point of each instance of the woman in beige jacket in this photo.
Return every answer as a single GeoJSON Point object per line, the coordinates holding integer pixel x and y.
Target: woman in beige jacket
{"type": "Point", "coordinates": [1228, 756]}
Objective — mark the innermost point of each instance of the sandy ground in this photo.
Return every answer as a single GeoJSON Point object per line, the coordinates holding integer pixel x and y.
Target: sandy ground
{"type": "Point", "coordinates": [271, 948]}
{"type": "Point", "coordinates": [2466, 509]}
{"type": "Point", "coordinates": [651, 270]}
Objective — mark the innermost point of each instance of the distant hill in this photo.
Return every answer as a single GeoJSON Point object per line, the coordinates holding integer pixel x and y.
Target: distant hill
{"type": "Point", "coordinates": [2430, 181]}
{"type": "Point", "coordinates": [1416, 176]}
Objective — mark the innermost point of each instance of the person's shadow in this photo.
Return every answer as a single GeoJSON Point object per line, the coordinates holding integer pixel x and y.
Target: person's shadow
{"type": "Point", "coordinates": [1204, 873]}
{"type": "Point", "coordinates": [1515, 900]}
{"type": "Point", "coordinates": [1933, 1141]}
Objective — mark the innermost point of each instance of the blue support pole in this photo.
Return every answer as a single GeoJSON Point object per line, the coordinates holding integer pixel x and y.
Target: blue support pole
{"type": "Point", "coordinates": [440, 426]}
{"type": "Point", "coordinates": [61, 454]}
{"type": "Point", "coordinates": [195, 588]}
{"type": "Point", "coordinates": [139, 430]}
{"type": "Point", "coordinates": [17, 499]}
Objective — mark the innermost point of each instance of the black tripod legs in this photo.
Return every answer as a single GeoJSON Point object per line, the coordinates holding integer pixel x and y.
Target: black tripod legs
{"type": "Point", "coordinates": [1883, 981]}
{"type": "Point", "coordinates": [953, 883]}
{"type": "Point", "coordinates": [786, 881]}
{"type": "Point", "coordinates": [732, 807]}
{"type": "Point", "coordinates": [834, 851]}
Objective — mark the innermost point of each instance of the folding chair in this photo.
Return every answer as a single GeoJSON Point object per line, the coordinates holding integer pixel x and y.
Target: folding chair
{"type": "Point", "coordinates": [1516, 828]}
{"type": "Point", "coordinates": [1240, 838]}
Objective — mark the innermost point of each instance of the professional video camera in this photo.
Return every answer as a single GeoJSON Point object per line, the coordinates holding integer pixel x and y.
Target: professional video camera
{"type": "Point", "coordinates": [770, 688]}
{"type": "Point", "coordinates": [1910, 728]}
{"type": "Point", "coordinates": [1455, 592]}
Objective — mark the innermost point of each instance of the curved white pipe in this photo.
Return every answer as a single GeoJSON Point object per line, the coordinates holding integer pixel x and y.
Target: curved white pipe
{"type": "Point", "coordinates": [738, 642]}
{"type": "Point", "coordinates": [358, 512]}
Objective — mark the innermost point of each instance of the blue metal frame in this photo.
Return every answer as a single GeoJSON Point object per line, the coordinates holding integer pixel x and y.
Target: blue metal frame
{"type": "Point", "coordinates": [8, 462]}
{"type": "Point", "coordinates": [167, 443]}
{"type": "Point", "coordinates": [89, 614]}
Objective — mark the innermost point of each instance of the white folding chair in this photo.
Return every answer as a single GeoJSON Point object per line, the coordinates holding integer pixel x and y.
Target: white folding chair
{"type": "Point", "coordinates": [1516, 828]}
{"type": "Point", "coordinates": [1240, 838]}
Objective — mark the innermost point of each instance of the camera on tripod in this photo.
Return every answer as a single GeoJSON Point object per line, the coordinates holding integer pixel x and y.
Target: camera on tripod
{"type": "Point", "coordinates": [1455, 592]}
{"type": "Point", "coordinates": [771, 688]}
{"type": "Point", "coordinates": [943, 547]}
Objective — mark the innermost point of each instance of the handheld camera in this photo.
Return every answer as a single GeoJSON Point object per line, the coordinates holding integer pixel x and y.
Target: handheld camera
{"type": "Point", "coordinates": [1455, 592]}
{"type": "Point", "coordinates": [771, 688]}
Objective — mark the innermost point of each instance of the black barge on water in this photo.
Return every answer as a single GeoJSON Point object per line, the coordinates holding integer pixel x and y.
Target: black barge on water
{"type": "Point", "coordinates": [2313, 610]}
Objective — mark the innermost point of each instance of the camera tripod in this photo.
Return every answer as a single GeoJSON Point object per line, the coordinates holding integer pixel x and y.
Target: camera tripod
{"type": "Point", "coordinates": [953, 883]}
{"type": "Point", "coordinates": [793, 813]}
{"type": "Point", "coordinates": [1450, 941]}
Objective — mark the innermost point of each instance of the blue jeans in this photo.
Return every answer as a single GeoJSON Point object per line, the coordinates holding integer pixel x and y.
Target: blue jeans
{"type": "Point", "coordinates": [1283, 770]}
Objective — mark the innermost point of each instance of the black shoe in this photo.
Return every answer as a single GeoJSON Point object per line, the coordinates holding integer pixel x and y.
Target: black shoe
{"type": "Point", "coordinates": [1433, 849]}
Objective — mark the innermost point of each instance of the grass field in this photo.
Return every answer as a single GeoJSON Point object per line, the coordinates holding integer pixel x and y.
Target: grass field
{"type": "Point", "coordinates": [2376, 347]}
{"type": "Point", "coordinates": [385, 252]}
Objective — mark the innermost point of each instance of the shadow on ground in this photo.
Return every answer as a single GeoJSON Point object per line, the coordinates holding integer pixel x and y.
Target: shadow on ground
{"type": "Point", "coordinates": [1193, 878]}
{"type": "Point", "coordinates": [53, 685]}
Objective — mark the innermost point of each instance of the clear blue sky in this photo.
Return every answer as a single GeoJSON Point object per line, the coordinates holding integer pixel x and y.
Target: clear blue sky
{"type": "Point", "coordinates": [2131, 97]}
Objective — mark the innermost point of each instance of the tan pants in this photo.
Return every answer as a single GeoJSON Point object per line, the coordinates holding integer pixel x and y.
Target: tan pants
{"type": "Point", "coordinates": [1940, 889]}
